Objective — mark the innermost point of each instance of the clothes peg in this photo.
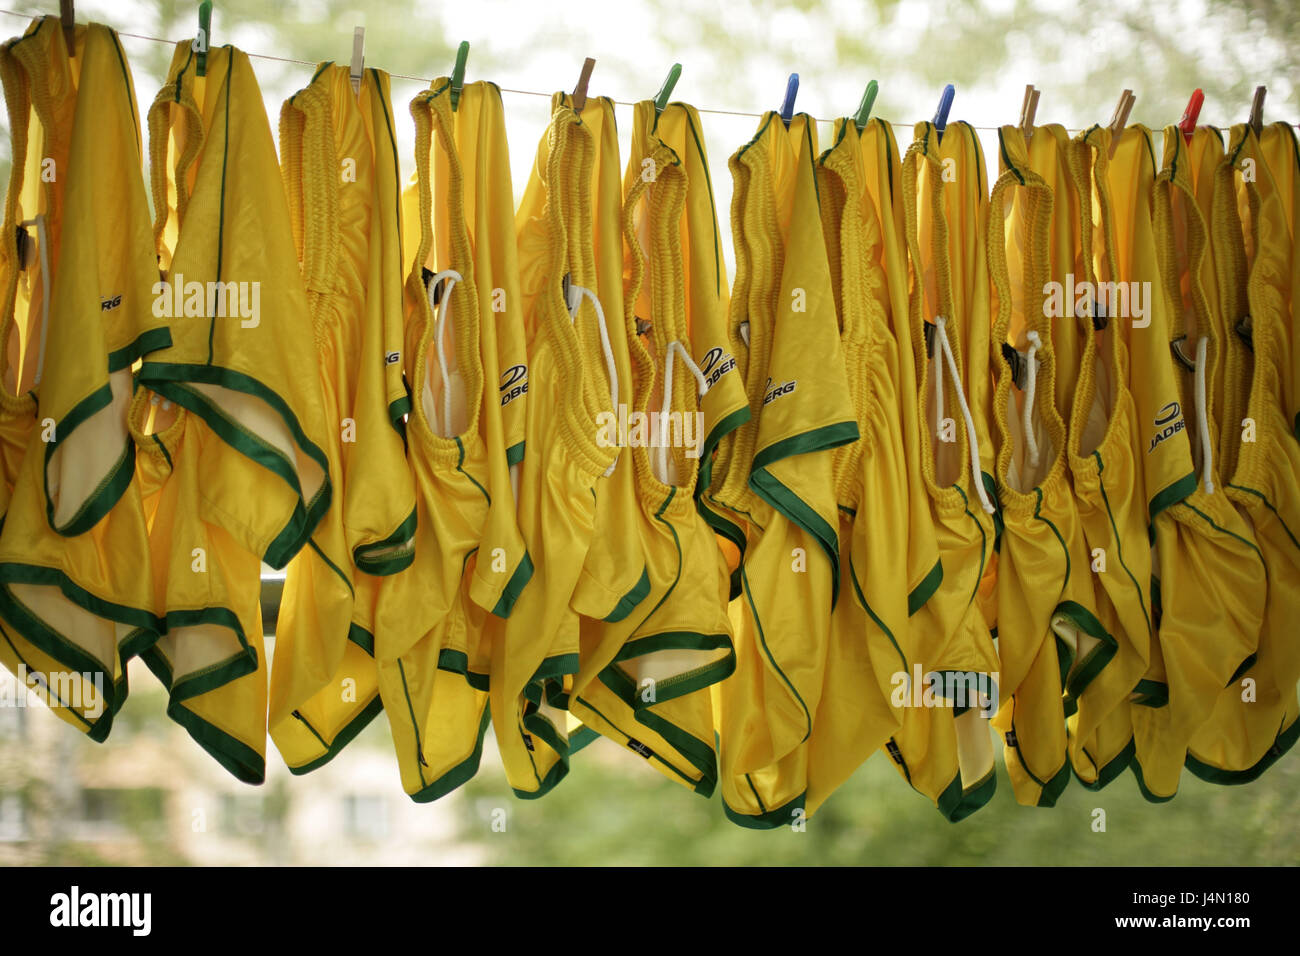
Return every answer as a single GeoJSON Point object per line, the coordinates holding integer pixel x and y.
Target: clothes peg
{"type": "Point", "coordinates": [1257, 110]}
{"type": "Point", "coordinates": [787, 105]}
{"type": "Point", "coordinates": [458, 73]}
{"type": "Point", "coordinates": [580, 91]}
{"type": "Point", "coordinates": [1120, 119]}
{"type": "Point", "coordinates": [69, 18]}
{"type": "Point", "coordinates": [864, 107]}
{"type": "Point", "coordinates": [203, 39]}
{"type": "Point", "coordinates": [1187, 125]}
{"type": "Point", "coordinates": [665, 91]}
{"type": "Point", "coordinates": [1028, 109]}
{"type": "Point", "coordinates": [358, 58]}
{"type": "Point", "coordinates": [941, 114]}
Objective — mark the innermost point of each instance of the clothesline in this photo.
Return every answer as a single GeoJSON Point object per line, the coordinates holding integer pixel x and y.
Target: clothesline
{"type": "Point", "coordinates": [504, 89]}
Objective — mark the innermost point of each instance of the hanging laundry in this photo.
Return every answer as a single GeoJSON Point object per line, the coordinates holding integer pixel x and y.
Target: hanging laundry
{"type": "Point", "coordinates": [1108, 478]}
{"type": "Point", "coordinates": [644, 679]}
{"type": "Point", "coordinates": [338, 157]}
{"type": "Point", "coordinates": [868, 676]}
{"type": "Point", "coordinates": [1253, 722]}
{"type": "Point", "coordinates": [939, 456]}
{"type": "Point", "coordinates": [1280, 151]}
{"type": "Point", "coordinates": [571, 285]}
{"type": "Point", "coordinates": [773, 480]}
{"type": "Point", "coordinates": [1208, 592]}
{"type": "Point", "coordinates": [215, 183]}
{"type": "Point", "coordinates": [945, 752]}
{"type": "Point", "coordinates": [241, 338]}
{"type": "Point", "coordinates": [1044, 590]}
{"type": "Point", "coordinates": [76, 589]}
{"type": "Point", "coordinates": [466, 361]}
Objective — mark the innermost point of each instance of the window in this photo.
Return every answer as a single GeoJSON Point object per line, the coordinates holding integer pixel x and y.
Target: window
{"type": "Point", "coordinates": [13, 720]}
{"type": "Point", "coordinates": [112, 813]}
{"type": "Point", "coordinates": [365, 816]}
{"type": "Point", "coordinates": [243, 814]}
{"type": "Point", "coordinates": [13, 818]}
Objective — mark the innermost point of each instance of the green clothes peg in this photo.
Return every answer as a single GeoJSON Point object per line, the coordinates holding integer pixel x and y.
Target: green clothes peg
{"type": "Point", "coordinates": [864, 108]}
{"type": "Point", "coordinates": [203, 40]}
{"type": "Point", "coordinates": [665, 91]}
{"type": "Point", "coordinates": [458, 73]}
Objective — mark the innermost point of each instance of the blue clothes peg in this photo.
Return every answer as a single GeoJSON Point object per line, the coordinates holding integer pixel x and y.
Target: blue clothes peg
{"type": "Point", "coordinates": [787, 107]}
{"type": "Point", "coordinates": [941, 114]}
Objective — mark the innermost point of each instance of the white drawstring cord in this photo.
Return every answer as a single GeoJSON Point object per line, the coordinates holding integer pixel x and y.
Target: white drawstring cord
{"type": "Point", "coordinates": [451, 277]}
{"type": "Point", "coordinates": [938, 385]}
{"type": "Point", "coordinates": [1031, 378]}
{"type": "Point", "coordinates": [576, 292]}
{"type": "Point", "coordinates": [1202, 422]}
{"type": "Point", "coordinates": [971, 439]}
{"type": "Point", "coordinates": [677, 347]}
{"type": "Point", "coordinates": [39, 223]}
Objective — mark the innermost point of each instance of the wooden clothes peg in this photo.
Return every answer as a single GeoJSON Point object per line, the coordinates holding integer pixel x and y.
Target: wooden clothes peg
{"type": "Point", "coordinates": [358, 59]}
{"type": "Point", "coordinates": [69, 19]}
{"type": "Point", "coordinates": [1028, 109]}
{"type": "Point", "coordinates": [1120, 119]}
{"type": "Point", "coordinates": [1257, 110]}
{"type": "Point", "coordinates": [580, 91]}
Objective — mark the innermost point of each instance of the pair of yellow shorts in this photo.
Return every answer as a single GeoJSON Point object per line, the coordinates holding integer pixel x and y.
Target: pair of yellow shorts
{"type": "Point", "coordinates": [943, 748]}
{"type": "Point", "coordinates": [75, 579]}
{"type": "Point", "coordinates": [774, 482]}
{"type": "Point", "coordinates": [1044, 591]}
{"type": "Point", "coordinates": [1210, 582]}
{"type": "Point", "coordinates": [463, 340]}
{"type": "Point", "coordinates": [644, 677]}
{"type": "Point", "coordinates": [563, 281]}
{"type": "Point", "coordinates": [339, 165]}
{"type": "Point", "coordinates": [1254, 719]}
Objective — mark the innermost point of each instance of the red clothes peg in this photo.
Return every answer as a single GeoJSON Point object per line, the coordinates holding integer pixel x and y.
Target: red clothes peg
{"type": "Point", "coordinates": [1188, 123]}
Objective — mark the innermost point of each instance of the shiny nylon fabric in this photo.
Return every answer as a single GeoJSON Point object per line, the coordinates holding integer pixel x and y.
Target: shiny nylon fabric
{"type": "Point", "coordinates": [1208, 565]}
{"type": "Point", "coordinates": [876, 493]}
{"type": "Point", "coordinates": [433, 649]}
{"type": "Point", "coordinates": [244, 324]}
{"type": "Point", "coordinates": [324, 687]}
{"type": "Point", "coordinates": [1161, 448]}
{"type": "Point", "coordinates": [210, 656]}
{"type": "Point", "coordinates": [1109, 488]}
{"type": "Point", "coordinates": [1043, 589]}
{"type": "Point", "coordinates": [775, 480]}
{"type": "Point", "coordinates": [944, 751]}
{"type": "Point", "coordinates": [1254, 718]}
{"type": "Point", "coordinates": [216, 182]}
{"type": "Point", "coordinates": [539, 645]}
{"type": "Point", "coordinates": [1280, 151]}
{"type": "Point", "coordinates": [651, 667]}
{"type": "Point", "coordinates": [75, 579]}
{"type": "Point", "coordinates": [615, 573]}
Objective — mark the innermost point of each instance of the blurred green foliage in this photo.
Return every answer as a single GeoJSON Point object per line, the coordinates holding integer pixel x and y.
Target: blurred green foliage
{"type": "Point", "coordinates": [614, 810]}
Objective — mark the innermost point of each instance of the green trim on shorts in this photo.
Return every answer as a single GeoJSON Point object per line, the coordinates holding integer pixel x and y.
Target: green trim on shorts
{"type": "Point", "coordinates": [344, 737]}
{"type": "Point", "coordinates": [173, 380]}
